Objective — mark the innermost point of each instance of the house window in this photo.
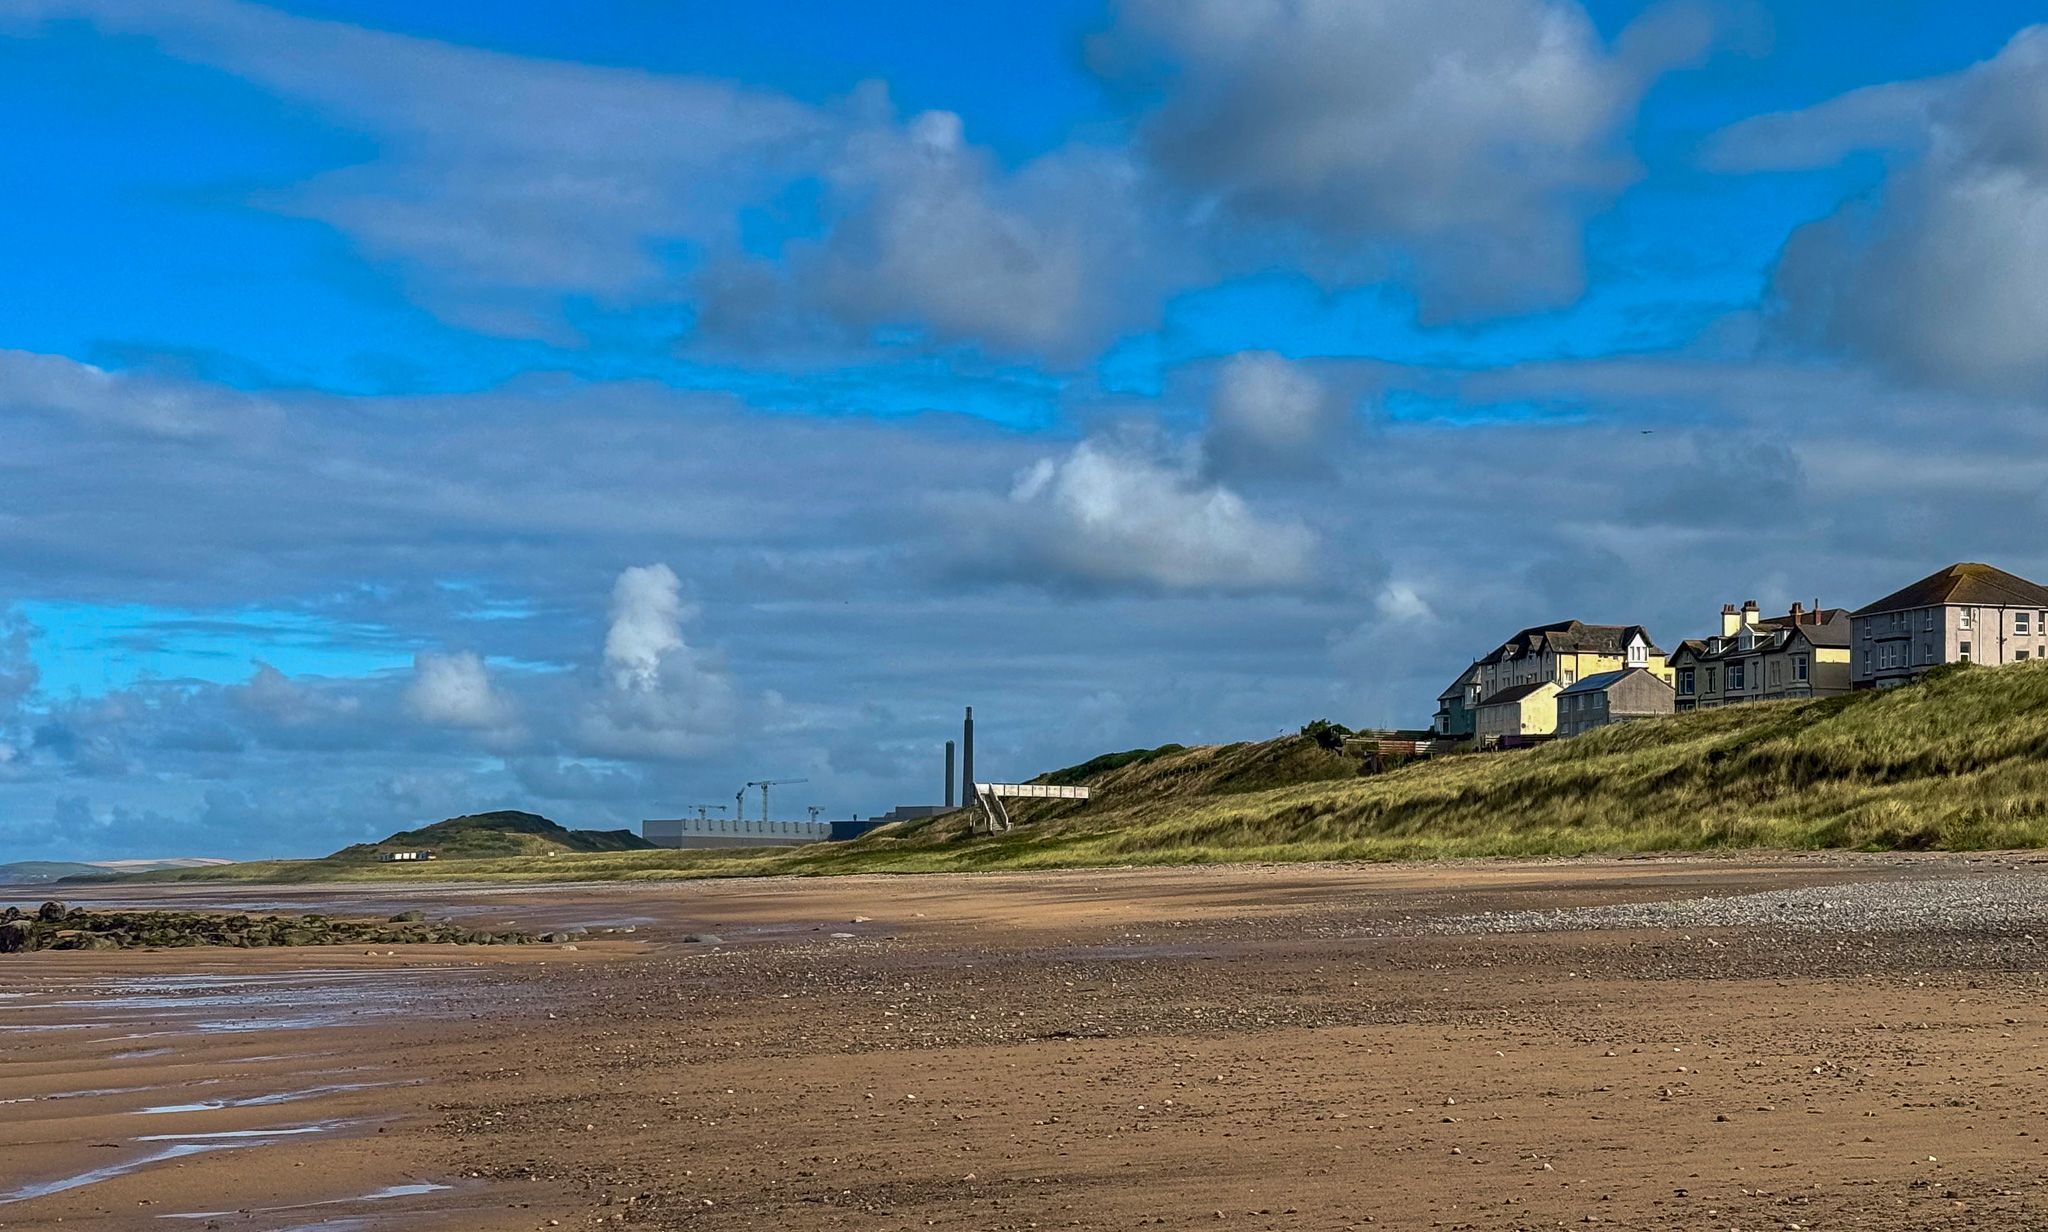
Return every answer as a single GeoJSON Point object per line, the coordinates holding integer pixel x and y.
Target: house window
{"type": "Point", "coordinates": [2019, 656]}
{"type": "Point", "coordinates": [1710, 680]}
{"type": "Point", "coordinates": [1799, 668]}
{"type": "Point", "coordinates": [1635, 654]}
{"type": "Point", "coordinates": [2020, 622]}
{"type": "Point", "coordinates": [1963, 620]}
{"type": "Point", "coordinates": [1777, 674]}
{"type": "Point", "coordinates": [1735, 675]}
{"type": "Point", "coordinates": [1866, 629]}
{"type": "Point", "coordinates": [1685, 681]}
{"type": "Point", "coordinates": [1963, 655]}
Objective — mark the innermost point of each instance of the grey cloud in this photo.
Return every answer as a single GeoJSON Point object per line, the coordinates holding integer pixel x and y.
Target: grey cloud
{"type": "Point", "coordinates": [1935, 277]}
{"type": "Point", "coordinates": [1268, 415]}
{"type": "Point", "coordinates": [1476, 135]}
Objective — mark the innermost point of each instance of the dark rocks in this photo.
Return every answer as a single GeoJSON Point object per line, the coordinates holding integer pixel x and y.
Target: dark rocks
{"type": "Point", "coordinates": [17, 936]}
{"type": "Point", "coordinates": [57, 927]}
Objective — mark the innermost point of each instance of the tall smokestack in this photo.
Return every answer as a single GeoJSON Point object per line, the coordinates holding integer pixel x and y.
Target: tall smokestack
{"type": "Point", "coordinates": [967, 758]}
{"type": "Point", "coordinates": [949, 774]}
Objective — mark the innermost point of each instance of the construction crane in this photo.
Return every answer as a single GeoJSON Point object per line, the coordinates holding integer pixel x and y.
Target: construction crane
{"type": "Point", "coordinates": [764, 785]}
{"type": "Point", "coordinates": [704, 810]}
{"type": "Point", "coordinates": [739, 804]}
{"type": "Point", "coordinates": [814, 810]}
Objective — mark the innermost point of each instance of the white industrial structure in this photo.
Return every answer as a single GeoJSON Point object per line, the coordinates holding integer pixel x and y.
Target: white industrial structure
{"type": "Point", "coordinates": [989, 797]}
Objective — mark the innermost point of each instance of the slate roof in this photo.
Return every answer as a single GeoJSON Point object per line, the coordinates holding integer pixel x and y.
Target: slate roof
{"type": "Point", "coordinates": [1600, 682]}
{"type": "Point", "coordinates": [1517, 692]}
{"type": "Point", "coordinates": [1831, 631]}
{"type": "Point", "coordinates": [1457, 687]}
{"type": "Point", "coordinates": [1570, 636]}
{"type": "Point", "coordinates": [1597, 681]}
{"type": "Point", "coordinates": [1967, 583]}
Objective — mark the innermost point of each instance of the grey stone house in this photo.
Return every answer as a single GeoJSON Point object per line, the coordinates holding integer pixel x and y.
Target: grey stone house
{"type": "Point", "coordinates": [1612, 697]}
{"type": "Point", "coordinates": [1804, 653]}
{"type": "Point", "coordinates": [1966, 613]}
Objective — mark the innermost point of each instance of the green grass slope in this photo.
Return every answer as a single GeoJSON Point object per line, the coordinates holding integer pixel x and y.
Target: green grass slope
{"type": "Point", "coordinates": [1957, 762]}
{"type": "Point", "coordinates": [502, 833]}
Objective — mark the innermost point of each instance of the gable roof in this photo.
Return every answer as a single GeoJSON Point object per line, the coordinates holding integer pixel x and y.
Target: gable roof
{"type": "Point", "coordinates": [1828, 626]}
{"type": "Point", "coordinates": [1569, 637]}
{"type": "Point", "coordinates": [1518, 693]}
{"type": "Point", "coordinates": [1457, 687]}
{"type": "Point", "coordinates": [1966, 583]}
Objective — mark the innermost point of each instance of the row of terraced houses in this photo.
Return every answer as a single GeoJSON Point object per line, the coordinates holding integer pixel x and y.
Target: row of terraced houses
{"type": "Point", "coordinates": [1568, 677]}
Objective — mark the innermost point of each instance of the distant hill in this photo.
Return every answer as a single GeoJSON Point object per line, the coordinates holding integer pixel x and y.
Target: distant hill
{"type": "Point", "coordinates": [503, 833]}
{"type": "Point", "coordinates": [36, 872]}
{"type": "Point", "coordinates": [40, 872]}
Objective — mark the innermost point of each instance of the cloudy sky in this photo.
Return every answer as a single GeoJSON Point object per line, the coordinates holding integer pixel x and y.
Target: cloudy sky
{"type": "Point", "coordinates": [413, 409]}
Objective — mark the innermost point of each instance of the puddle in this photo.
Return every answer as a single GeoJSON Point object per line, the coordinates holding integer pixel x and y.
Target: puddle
{"type": "Point", "coordinates": [412, 1189]}
{"type": "Point", "coordinates": [177, 1146]}
{"type": "Point", "coordinates": [79, 1180]}
{"type": "Point", "coordinates": [237, 1135]}
{"type": "Point", "coordinates": [267, 1100]}
{"type": "Point", "coordinates": [181, 1005]}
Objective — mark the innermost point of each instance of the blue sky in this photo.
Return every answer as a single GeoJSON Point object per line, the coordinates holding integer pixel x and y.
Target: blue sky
{"type": "Point", "coordinates": [414, 408]}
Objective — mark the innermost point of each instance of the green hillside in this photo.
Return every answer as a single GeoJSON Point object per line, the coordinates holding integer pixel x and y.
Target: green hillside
{"type": "Point", "coordinates": [1959, 761]}
{"type": "Point", "coordinates": [493, 835]}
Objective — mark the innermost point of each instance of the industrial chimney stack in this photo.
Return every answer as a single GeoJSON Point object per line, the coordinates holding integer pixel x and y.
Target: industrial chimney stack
{"type": "Point", "coordinates": [967, 758]}
{"type": "Point", "coordinates": [949, 774]}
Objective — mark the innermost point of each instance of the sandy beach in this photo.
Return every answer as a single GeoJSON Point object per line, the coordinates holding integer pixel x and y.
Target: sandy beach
{"type": "Point", "coordinates": [1266, 1047]}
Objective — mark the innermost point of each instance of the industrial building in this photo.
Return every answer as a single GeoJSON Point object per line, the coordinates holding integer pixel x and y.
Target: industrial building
{"type": "Point", "coordinates": [706, 831]}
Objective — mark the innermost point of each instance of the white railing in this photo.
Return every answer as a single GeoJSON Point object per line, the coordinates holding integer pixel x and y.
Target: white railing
{"type": "Point", "coordinates": [989, 797]}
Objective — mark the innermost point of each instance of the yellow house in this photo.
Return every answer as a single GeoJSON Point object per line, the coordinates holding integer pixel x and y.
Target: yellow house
{"type": "Point", "coordinates": [1519, 710]}
{"type": "Point", "coordinates": [1567, 652]}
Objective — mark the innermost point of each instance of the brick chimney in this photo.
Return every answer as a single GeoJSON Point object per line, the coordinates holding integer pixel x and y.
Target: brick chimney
{"type": "Point", "coordinates": [1730, 622]}
{"type": "Point", "coordinates": [1798, 614]}
{"type": "Point", "coordinates": [1749, 611]}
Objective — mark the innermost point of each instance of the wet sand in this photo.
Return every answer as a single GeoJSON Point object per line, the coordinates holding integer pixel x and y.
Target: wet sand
{"type": "Point", "coordinates": [1294, 1047]}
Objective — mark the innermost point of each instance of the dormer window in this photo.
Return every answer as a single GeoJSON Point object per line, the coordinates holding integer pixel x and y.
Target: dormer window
{"type": "Point", "coordinates": [1637, 652]}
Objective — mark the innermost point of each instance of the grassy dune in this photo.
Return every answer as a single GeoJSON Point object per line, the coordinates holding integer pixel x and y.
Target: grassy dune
{"type": "Point", "coordinates": [1957, 762]}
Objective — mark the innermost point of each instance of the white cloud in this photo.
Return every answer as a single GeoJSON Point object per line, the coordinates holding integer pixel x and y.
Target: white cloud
{"type": "Point", "coordinates": [1113, 514]}
{"type": "Point", "coordinates": [455, 690]}
{"type": "Point", "coordinates": [1476, 135]}
{"type": "Point", "coordinates": [496, 175]}
{"type": "Point", "coordinates": [503, 182]}
{"type": "Point", "coordinates": [1937, 276]}
{"type": "Point", "coordinates": [1402, 603]}
{"type": "Point", "coordinates": [660, 696]}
